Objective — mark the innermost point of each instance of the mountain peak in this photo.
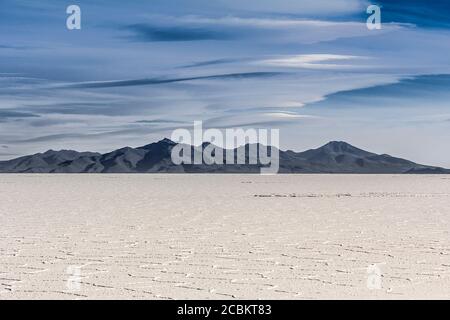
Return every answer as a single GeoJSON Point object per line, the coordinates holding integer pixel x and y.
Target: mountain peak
{"type": "Point", "coordinates": [342, 147]}
{"type": "Point", "coordinates": [160, 144]}
{"type": "Point", "coordinates": [337, 143]}
{"type": "Point", "coordinates": [166, 140]}
{"type": "Point", "coordinates": [51, 151]}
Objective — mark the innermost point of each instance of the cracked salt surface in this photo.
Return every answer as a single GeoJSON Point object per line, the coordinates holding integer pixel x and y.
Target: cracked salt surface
{"type": "Point", "coordinates": [224, 236]}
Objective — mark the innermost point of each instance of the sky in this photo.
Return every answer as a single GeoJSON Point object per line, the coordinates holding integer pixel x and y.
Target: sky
{"type": "Point", "coordinates": [137, 70]}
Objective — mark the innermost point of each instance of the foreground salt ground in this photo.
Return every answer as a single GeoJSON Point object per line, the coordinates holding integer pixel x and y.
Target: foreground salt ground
{"type": "Point", "coordinates": [224, 236]}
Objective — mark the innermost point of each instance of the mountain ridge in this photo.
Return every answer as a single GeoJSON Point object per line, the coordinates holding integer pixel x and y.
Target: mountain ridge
{"type": "Point", "coordinates": [333, 157]}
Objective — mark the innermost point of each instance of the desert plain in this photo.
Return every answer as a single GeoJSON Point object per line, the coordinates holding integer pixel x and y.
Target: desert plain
{"type": "Point", "coordinates": [170, 236]}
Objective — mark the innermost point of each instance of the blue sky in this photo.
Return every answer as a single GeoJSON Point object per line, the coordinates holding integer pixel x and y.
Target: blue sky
{"type": "Point", "coordinates": [139, 69]}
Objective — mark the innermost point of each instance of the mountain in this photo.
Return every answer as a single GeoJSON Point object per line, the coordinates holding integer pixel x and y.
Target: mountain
{"type": "Point", "coordinates": [334, 157]}
{"type": "Point", "coordinates": [341, 157]}
{"type": "Point", "coordinates": [46, 162]}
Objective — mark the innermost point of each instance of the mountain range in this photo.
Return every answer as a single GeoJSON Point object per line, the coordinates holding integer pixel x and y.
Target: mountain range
{"type": "Point", "coordinates": [334, 157]}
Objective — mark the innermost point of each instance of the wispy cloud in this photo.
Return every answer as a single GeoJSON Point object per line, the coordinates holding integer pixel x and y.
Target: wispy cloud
{"type": "Point", "coordinates": [435, 14]}
{"type": "Point", "coordinates": [6, 114]}
{"type": "Point", "coordinates": [155, 81]}
{"type": "Point", "coordinates": [15, 47]}
{"type": "Point", "coordinates": [260, 119]}
{"type": "Point", "coordinates": [264, 23]}
{"type": "Point", "coordinates": [261, 29]}
{"type": "Point", "coordinates": [408, 92]}
{"type": "Point", "coordinates": [146, 32]}
{"type": "Point", "coordinates": [309, 61]}
{"type": "Point", "coordinates": [208, 63]}
{"type": "Point", "coordinates": [159, 121]}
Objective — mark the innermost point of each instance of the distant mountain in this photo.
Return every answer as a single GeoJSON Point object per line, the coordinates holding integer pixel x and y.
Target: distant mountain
{"type": "Point", "coordinates": [43, 162]}
{"type": "Point", "coordinates": [334, 157]}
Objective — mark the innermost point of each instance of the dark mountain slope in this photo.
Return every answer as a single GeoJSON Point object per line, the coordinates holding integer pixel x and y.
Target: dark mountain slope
{"type": "Point", "coordinates": [334, 157]}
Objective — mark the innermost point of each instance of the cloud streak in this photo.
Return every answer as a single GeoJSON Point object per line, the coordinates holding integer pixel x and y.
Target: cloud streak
{"type": "Point", "coordinates": [145, 32]}
{"type": "Point", "coordinates": [309, 61]}
{"type": "Point", "coordinates": [7, 114]}
{"type": "Point", "coordinates": [156, 81]}
{"type": "Point", "coordinates": [405, 93]}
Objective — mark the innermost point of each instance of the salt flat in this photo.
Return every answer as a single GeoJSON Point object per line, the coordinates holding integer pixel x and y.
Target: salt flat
{"type": "Point", "coordinates": [224, 236]}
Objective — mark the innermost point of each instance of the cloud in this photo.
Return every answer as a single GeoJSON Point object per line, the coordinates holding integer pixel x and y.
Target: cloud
{"type": "Point", "coordinates": [407, 92]}
{"type": "Point", "coordinates": [254, 22]}
{"type": "Point", "coordinates": [78, 136]}
{"type": "Point", "coordinates": [214, 62]}
{"type": "Point", "coordinates": [304, 7]}
{"type": "Point", "coordinates": [427, 14]}
{"type": "Point", "coordinates": [252, 29]}
{"type": "Point", "coordinates": [308, 61]}
{"type": "Point", "coordinates": [155, 81]}
{"type": "Point", "coordinates": [145, 32]}
{"type": "Point", "coordinates": [311, 61]}
{"type": "Point", "coordinates": [14, 47]}
{"type": "Point", "coordinates": [93, 107]}
{"type": "Point", "coordinates": [62, 136]}
{"type": "Point", "coordinates": [7, 114]}
{"type": "Point", "coordinates": [159, 121]}
{"type": "Point", "coordinates": [262, 119]}
{"type": "Point", "coordinates": [43, 123]}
